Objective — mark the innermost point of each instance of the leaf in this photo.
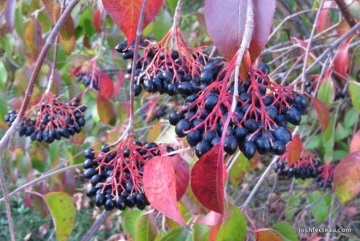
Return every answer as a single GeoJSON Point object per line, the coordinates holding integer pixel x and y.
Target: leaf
{"type": "Point", "coordinates": [324, 21]}
{"type": "Point", "coordinates": [327, 91]}
{"type": "Point", "coordinates": [97, 21]}
{"type": "Point", "coordinates": [68, 29]}
{"type": "Point", "coordinates": [33, 37]}
{"type": "Point", "coordinates": [130, 222]}
{"type": "Point", "coordinates": [234, 228]}
{"type": "Point", "coordinates": [267, 234]}
{"type": "Point", "coordinates": [126, 14]}
{"type": "Point", "coordinates": [294, 150]}
{"type": "Point", "coordinates": [320, 210]}
{"type": "Point", "coordinates": [68, 44]}
{"type": "Point", "coordinates": [347, 178]}
{"type": "Point", "coordinates": [62, 210]}
{"type": "Point", "coordinates": [177, 234]}
{"type": "Point", "coordinates": [106, 86]}
{"type": "Point", "coordinates": [225, 20]}
{"type": "Point", "coordinates": [354, 88]}
{"type": "Point", "coordinates": [105, 109]}
{"type": "Point", "coordinates": [201, 232]}
{"type": "Point", "coordinates": [9, 13]}
{"type": "Point", "coordinates": [50, 8]}
{"type": "Point", "coordinates": [341, 60]}
{"type": "Point", "coordinates": [154, 132]}
{"type": "Point", "coordinates": [211, 219]}
{"type": "Point", "coordinates": [119, 83]}
{"type": "Point", "coordinates": [286, 230]}
{"type": "Point", "coordinates": [182, 174]}
{"type": "Point", "coordinates": [355, 142]}
{"type": "Point", "coordinates": [322, 112]}
{"type": "Point", "coordinates": [161, 191]}
{"type": "Point", "coordinates": [207, 179]}
{"type": "Point", "coordinates": [146, 229]}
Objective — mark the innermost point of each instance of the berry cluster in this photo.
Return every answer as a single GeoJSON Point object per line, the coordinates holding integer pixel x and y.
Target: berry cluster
{"type": "Point", "coordinates": [326, 173]}
{"type": "Point", "coordinates": [161, 70]}
{"type": "Point", "coordinates": [258, 122]}
{"type": "Point", "coordinates": [88, 79]}
{"type": "Point", "coordinates": [304, 168]}
{"type": "Point", "coordinates": [310, 86]}
{"type": "Point", "coordinates": [116, 175]}
{"type": "Point", "coordinates": [55, 119]}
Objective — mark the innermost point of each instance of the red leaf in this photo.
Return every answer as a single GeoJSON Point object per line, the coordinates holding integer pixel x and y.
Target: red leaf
{"type": "Point", "coordinates": [347, 178]}
{"type": "Point", "coordinates": [50, 8]}
{"type": "Point", "coordinates": [126, 14]}
{"type": "Point", "coordinates": [119, 83]}
{"type": "Point", "coordinates": [341, 60]}
{"type": "Point", "coordinates": [355, 143]}
{"type": "Point", "coordinates": [182, 174]}
{"type": "Point", "coordinates": [33, 37]}
{"type": "Point", "coordinates": [106, 86]}
{"type": "Point", "coordinates": [9, 13]}
{"type": "Point", "coordinates": [160, 187]}
{"type": "Point", "coordinates": [68, 29]}
{"type": "Point", "coordinates": [207, 180]}
{"type": "Point", "coordinates": [323, 113]}
{"type": "Point", "coordinates": [324, 18]}
{"type": "Point", "coordinates": [225, 20]}
{"type": "Point", "coordinates": [267, 235]}
{"type": "Point", "coordinates": [105, 109]}
{"type": "Point", "coordinates": [211, 219]}
{"type": "Point", "coordinates": [294, 150]}
{"type": "Point", "coordinates": [97, 21]}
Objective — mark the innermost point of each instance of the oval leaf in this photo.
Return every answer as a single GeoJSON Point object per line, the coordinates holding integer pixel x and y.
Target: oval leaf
{"type": "Point", "coordinates": [129, 222]}
{"type": "Point", "coordinates": [33, 37]}
{"type": "Point", "coordinates": [106, 86]}
{"type": "Point", "coordinates": [146, 229]}
{"type": "Point", "coordinates": [126, 14]}
{"type": "Point", "coordinates": [62, 210]}
{"type": "Point", "coordinates": [286, 230]}
{"type": "Point", "coordinates": [234, 228]}
{"type": "Point", "coordinates": [267, 235]}
{"type": "Point", "coordinates": [341, 60]}
{"type": "Point", "coordinates": [347, 178]}
{"type": "Point", "coordinates": [182, 173]}
{"type": "Point", "coordinates": [105, 109]}
{"type": "Point", "coordinates": [207, 179]}
{"type": "Point", "coordinates": [327, 91]}
{"type": "Point", "coordinates": [225, 20]}
{"type": "Point", "coordinates": [97, 21]}
{"type": "Point", "coordinates": [322, 112]}
{"type": "Point", "coordinates": [161, 191]}
{"type": "Point", "coordinates": [294, 150]}
{"type": "Point", "coordinates": [354, 88]}
{"type": "Point", "coordinates": [68, 29]}
{"type": "Point", "coordinates": [68, 44]}
{"type": "Point", "coordinates": [355, 143]}
{"type": "Point", "coordinates": [50, 8]}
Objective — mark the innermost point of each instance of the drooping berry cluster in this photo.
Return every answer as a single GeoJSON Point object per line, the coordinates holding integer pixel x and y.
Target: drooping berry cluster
{"type": "Point", "coordinates": [159, 69]}
{"type": "Point", "coordinates": [326, 173]}
{"type": "Point", "coordinates": [304, 168]}
{"type": "Point", "coordinates": [88, 79]}
{"type": "Point", "coordinates": [55, 119]}
{"type": "Point", "coordinates": [116, 175]}
{"type": "Point", "coordinates": [258, 122]}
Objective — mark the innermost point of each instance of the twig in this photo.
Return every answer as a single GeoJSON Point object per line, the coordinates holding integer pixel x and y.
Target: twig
{"type": "Point", "coordinates": [10, 133]}
{"type": "Point", "coordinates": [176, 21]}
{"type": "Point", "coordinates": [28, 184]}
{"type": "Point", "coordinates": [96, 225]}
{"type": "Point", "coordinates": [345, 12]}
{"type": "Point", "coordinates": [132, 78]}
{"type": "Point", "coordinates": [307, 52]}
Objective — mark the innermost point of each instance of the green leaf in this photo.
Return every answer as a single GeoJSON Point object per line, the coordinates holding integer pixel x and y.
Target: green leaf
{"type": "Point", "coordinates": [339, 154]}
{"type": "Point", "coordinates": [177, 234]}
{"type": "Point", "coordinates": [292, 207]}
{"type": "Point", "coordinates": [286, 230]}
{"type": "Point", "coordinates": [313, 143]}
{"type": "Point", "coordinates": [201, 232]}
{"type": "Point", "coordinates": [162, 24]}
{"type": "Point", "coordinates": [130, 221]}
{"type": "Point", "coordinates": [146, 229]}
{"type": "Point", "coordinates": [320, 210]}
{"type": "Point", "coordinates": [350, 118]}
{"type": "Point", "coordinates": [234, 228]}
{"type": "Point", "coordinates": [239, 169]}
{"type": "Point", "coordinates": [327, 92]}
{"type": "Point", "coordinates": [3, 74]}
{"type": "Point", "coordinates": [342, 133]}
{"type": "Point", "coordinates": [354, 89]}
{"type": "Point", "coordinates": [62, 210]}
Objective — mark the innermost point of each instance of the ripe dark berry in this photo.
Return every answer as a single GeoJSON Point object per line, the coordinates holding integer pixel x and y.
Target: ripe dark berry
{"type": "Point", "coordinates": [120, 203]}
{"type": "Point", "coordinates": [149, 86]}
{"type": "Point", "coordinates": [282, 134]}
{"type": "Point", "coordinates": [137, 89]}
{"type": "Point", "coordinates": [300, 103]}
{"type": "Point", "coordinates": [89, 173]}
{"type": "Point", "coordinates": [207, 77]}
{"type": "Point", "coordinates": [171, 89]}
{"type": "Point", "coordinates": [130, 202]}
{"type": "Point", "coordinates": [272, 112]}
{"type": "Point", "coordinates": [95, 180]}
{"type": "Point", "coordinates": [230, 144]}
{"type": "Point", "coordinates": [109, 204]}
{"type": "Point", "coordinates": [185, 88]}
{"type": "Point", "coordinates": [293, 116]}
{"type": "Point", "coordinates": [215, 141]}
{"type": "Point", "coordinates": [211, 101]}
{"type": "Point", "coordinates": [88, 153]}
{"type": "Point", "coordinates": [251, 125]}
{"type": "Point", "coordinates": [201, 148]}
{"type": "Point", "coordinates": [141, 201]}
{"type": "Point", "coordinates": [105, 148]}
{"type": "Point", "coordinates": [91, 191]}
{"type": "Point", "coordinates": [194, 138]}
{"type": "Point", "coordinates": [129, 186]}
{"type": "Point", "coordinates": [209, 136]}
{"type": "Point", "coordinates": [262, 145]}
{"type": "Point", "coordinates": [248, 149]}
{"type": "Point", "coordinates": [99, 199]}
{"type": "Point", "coordinates": [88, 163]}
{"type": "Point", "coordinates": [181, 126]}
{"type": "Point", "coordinates": [264, 68]}
{"type": "Point", "coordinates": [281, 120]}
{"type": "Point", "coordinates": [240, 134]}
{"type": "Point", "coordinates": [65, 132]}
{"type": "Point", "coordinates": [278, 148]}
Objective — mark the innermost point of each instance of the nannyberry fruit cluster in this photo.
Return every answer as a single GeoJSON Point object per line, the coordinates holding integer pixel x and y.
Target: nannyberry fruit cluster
{"type": "Point", "coordinates": [304, 168]}
{"type": "Point", "coordinates": [326, 173]}
{"type": "Point", "coordinates": [55, 119]}
{"type": "Point", "coordinates": [116, 175]}
{"type": "Point", "coordinates": [87, 79]}
{"type": "Point", "coordinates": [161, 70]}
{"type": "Point", "coordinates": [258, 123]}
